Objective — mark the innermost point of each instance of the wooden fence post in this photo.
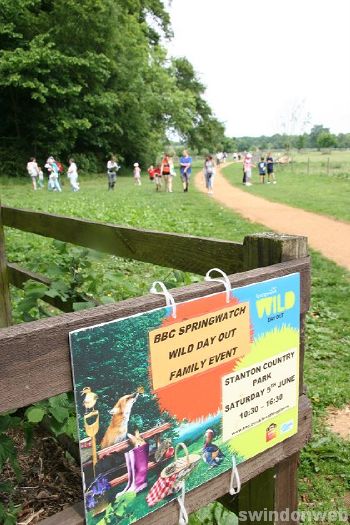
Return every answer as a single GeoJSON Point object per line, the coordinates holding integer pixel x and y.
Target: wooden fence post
{"type": "Point", "coordinates": [273, 494]}
{"type": "Point", "coordinates": [5, 300]}
{"type": "Point", "coordinates": [264, 249]}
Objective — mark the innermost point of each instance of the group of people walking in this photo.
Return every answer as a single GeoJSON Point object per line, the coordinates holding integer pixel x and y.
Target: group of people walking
{"type": "Point", "coordinates": [162, 175]}
{"type": "Point", "coordinates": [265, 166]}
{"type": "Point", "coordinates": [54, 171]}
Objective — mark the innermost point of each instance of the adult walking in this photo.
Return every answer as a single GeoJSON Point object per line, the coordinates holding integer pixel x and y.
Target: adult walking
{"type": "Point", "coordinates": [166, 171]}
{"type": "Point", "coordinates": [33, 171]}
{"type": "Point", "coordinates": [52, 168]}
{"type": "Point", "coordinates": [185, 169]}
{"type": "Point", "coordinates": [209, 172]}
{"type": "Point", "coordinates": [72, 175]}
{"type": "Point", "coordinates": [247, 169]}
{"type": "Point", "coordinates": [112, 170]}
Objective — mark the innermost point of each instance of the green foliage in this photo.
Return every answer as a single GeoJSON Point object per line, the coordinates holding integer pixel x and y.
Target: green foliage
{"type": "Point", "coordinates": [326, 140]}
{"type": "Point", "coordinates": [91, 77]}
{"type": "Point", "coordinates": [58, 412]}
{"type": "Point", "coordinates": [319, 137]}
{"type": "Point", "coordinates": [8, 456]}
{"type": "Point", "coordinates": [213, 514]}
{"type": "Point", "coordinates": [120, 511]}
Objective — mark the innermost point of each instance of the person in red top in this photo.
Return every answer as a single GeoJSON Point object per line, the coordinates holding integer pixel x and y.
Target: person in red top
{"type": "Point", "coordinates": [165, 169]}
{"type": "Point", "coordinates": [151, 172]}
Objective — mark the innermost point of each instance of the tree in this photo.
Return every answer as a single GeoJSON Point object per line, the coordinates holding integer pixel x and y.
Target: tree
{"type": "Point", "coordinates": [326, 140]}
{"type": "Point", "coordinates": [301, 141]}
{"type": "Point", "coordinates": [314, 133]}
{"type": "Point", "coordinates": [110, 88]}
{"type": "Point", "coordinates": [201, 129]}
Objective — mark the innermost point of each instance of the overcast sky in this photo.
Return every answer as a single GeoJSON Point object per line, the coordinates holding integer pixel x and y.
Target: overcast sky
{"type": "Point", "coordinates": [263, 60]}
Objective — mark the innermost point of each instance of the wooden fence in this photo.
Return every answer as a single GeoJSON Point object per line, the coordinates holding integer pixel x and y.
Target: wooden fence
{"type": "Point", "coordinates": [35, 357]}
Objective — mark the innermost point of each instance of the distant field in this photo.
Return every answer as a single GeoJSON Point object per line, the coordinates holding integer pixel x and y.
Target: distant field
{"type": "Point", "coordinates": [313, 181]}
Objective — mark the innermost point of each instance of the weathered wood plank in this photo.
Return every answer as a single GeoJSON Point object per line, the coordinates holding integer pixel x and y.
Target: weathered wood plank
{"type": "Point", "coordinates": [184, 252]}
{"type": "Point", "coordinates": [264, 249]}
{"type": "Point", "coordinates": [35, 358]}
{"type": "Point", "coordinates": [286, 492]}
{"type": "Point", "coordinates": [5, 299]}
{"type": "Point", "coordinates": [18, 276]}
{"type": "Point", "coordinates": [216, 487]}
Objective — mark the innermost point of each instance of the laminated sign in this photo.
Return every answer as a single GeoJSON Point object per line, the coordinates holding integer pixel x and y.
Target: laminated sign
{"type": "Point", "coordinates": [168, 402]}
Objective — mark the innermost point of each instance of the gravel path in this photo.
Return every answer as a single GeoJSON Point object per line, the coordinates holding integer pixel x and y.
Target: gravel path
{"type": "Point", "coordinates": [328, 236]}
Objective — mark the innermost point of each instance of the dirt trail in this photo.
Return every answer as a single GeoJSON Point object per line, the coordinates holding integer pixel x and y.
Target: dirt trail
{"type": "Point", "coordinates": [328, 236]}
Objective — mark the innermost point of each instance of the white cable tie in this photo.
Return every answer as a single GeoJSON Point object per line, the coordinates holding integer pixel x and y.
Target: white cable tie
{"type": "Point", "coordinates": [183, 518]}
{"type": "Point", "coordinates": [170, 301]}
{"type": "Point", "coordinates": [224, 280]}
{"type": "Point", "coordinates": [234, 477]}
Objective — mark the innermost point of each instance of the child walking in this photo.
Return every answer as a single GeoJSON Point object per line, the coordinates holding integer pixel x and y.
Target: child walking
{"type": "Point", "coordinates": [40, 178]}
{"type": "Point", "coordinates": [137, 174]}
{"type": "Point", "coordinates": [112, 170]}
{"type": "Point", "coordinates": [262, 169]}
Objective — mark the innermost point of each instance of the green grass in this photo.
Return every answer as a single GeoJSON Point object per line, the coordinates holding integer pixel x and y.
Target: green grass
{"type": "Point", "coordinates": [317, 191]}
{"type": "Point", "coordinates": [324, 474]}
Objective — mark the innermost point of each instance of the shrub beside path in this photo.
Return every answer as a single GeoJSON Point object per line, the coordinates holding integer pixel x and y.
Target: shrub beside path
{"type": "Point", "coordinates": [328, 236]}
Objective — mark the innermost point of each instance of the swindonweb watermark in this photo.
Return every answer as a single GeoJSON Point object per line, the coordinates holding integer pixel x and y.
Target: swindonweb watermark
{"type": "Point", "coordinates": [286, 515]}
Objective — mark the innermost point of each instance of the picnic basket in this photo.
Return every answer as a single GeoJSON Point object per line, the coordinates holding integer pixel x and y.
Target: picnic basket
{"type": "Point", "coordinates": [182, 466]}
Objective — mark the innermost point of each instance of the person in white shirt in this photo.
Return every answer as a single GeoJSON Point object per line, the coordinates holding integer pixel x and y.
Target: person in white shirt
{"type": "Point", "coordinates": [33, 171]}
{"type": "Point", "coordinates": [72, 175]}
{"type": "Point", "coordinates": [112, 170]}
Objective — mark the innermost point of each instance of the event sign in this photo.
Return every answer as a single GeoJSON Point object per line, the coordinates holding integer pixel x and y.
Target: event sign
{"type": "Point", "coordinates": [164, 401]}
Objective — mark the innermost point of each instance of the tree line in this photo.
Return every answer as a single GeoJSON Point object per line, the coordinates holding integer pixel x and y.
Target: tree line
{"type": "Point", "coordinates": [318, 138]}
{"type": "Point", "coordinates": [92, 77]}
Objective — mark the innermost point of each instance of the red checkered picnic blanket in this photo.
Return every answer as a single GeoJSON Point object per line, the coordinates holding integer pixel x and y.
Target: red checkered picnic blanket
{"type": "Point", "coordinates": [162, 488]}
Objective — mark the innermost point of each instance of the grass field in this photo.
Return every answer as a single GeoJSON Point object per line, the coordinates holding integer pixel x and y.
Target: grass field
{"type": "Point", "coordinates": [325, 462]}
{"type": "Point", "coordinates": [313, 181]}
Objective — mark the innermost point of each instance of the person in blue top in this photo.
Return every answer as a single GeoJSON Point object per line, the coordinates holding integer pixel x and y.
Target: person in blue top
{"type": "Point", "coordinates": [262, 169]}
{"type": "Point", "coordinates": [185, 169]}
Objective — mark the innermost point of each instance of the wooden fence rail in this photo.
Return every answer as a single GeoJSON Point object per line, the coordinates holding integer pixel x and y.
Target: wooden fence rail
{"type": "Point", "coordinates": [35, 359]}
{"type": "Point", "coordinates": [184, 252]}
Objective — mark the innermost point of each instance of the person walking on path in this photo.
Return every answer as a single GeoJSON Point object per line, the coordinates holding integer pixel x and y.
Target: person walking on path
{"type": "Point", "coordinates": [270, 166]}
{"type": "Point", "coordinates": [72, 175]}
{"type": "Point", "coordinates": [262, 169]}
{"type": "Point", "coordinates": [209, 172]}
{"type": "Point", "coordinates": [137, 174]}
{"type": "Point", "coordinates": [185, 169]}
{"type": "Point", "coordinates": [247, 169]}
{"type": "Point", "coordinates": [112, 170]}
{"type": "Point", "coordinates": [33, 171]}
